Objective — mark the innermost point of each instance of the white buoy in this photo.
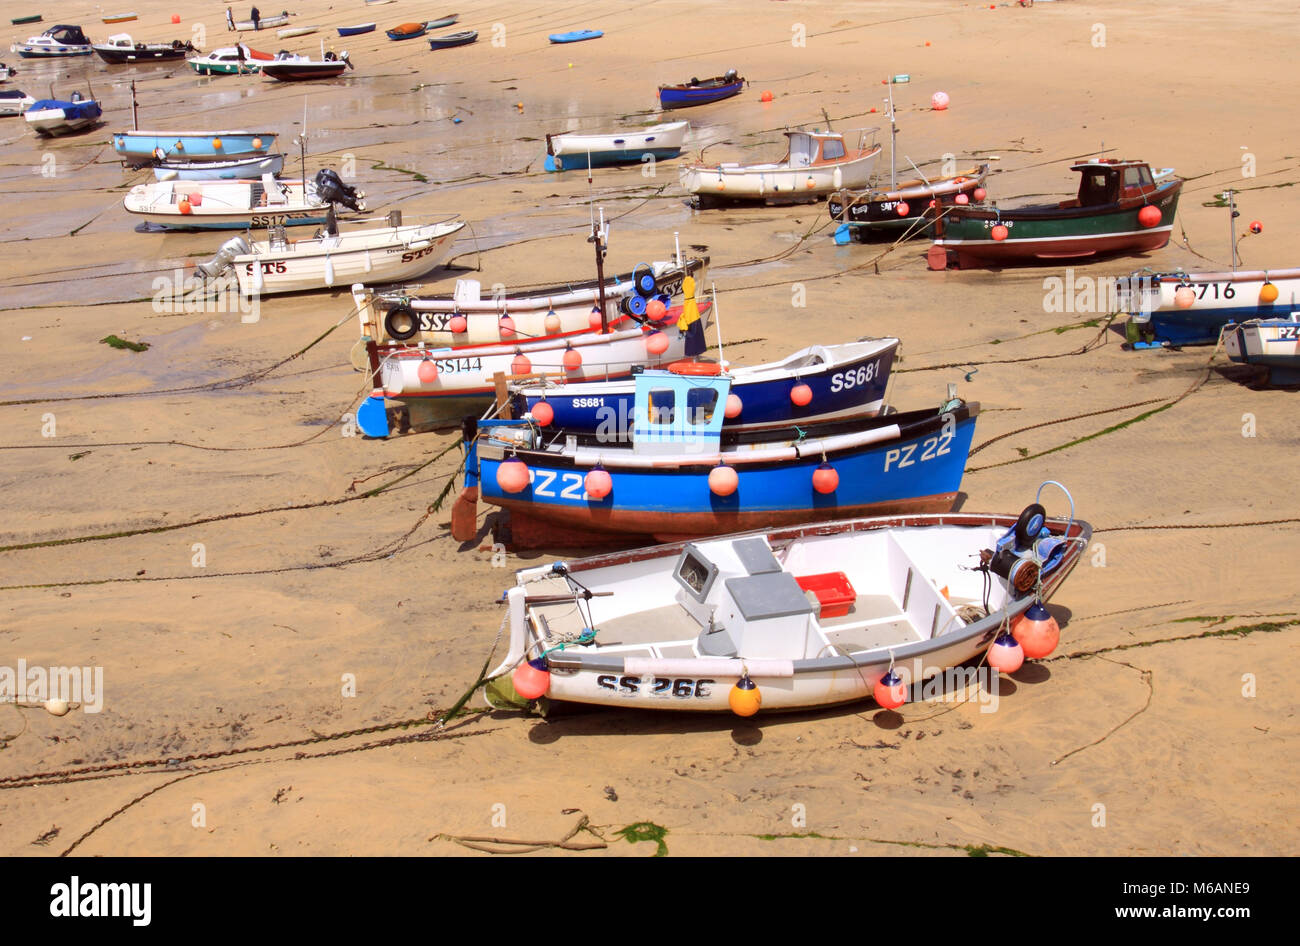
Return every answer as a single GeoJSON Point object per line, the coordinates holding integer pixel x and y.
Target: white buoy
{"type": "Point", "coordinates": [57, 707]}
{"type": "Point", "coordinates": [837, 179]}
{"type": "Point", "coordinates": [258, 282]}
{"type": "Point", "coordinates": [368, 267]}
{"type": "Point", "coordinates": [329, 272]}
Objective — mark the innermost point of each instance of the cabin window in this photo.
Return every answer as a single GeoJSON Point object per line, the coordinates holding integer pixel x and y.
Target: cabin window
{"type": "Point", "coordinates": [661, 404]}
{"type": "Point", "coordinates": [832, 150]}
{"type": "Point", "coordinates": [700, 405]}
{"type": "Point", "coordinates": [1094, 189]}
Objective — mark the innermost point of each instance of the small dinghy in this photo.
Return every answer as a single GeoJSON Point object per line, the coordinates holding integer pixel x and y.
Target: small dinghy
{"type": "Point", "coordinates": [49, 117]}
{"type": "Point", "coordinates": [240, 205]}
{"type": "Point", "coordinates": [1270, 343]}
{"type": "Point", "coordinates": [304, 70]}
{"type": "Point", "coordinates": [57, 41]}
{"type": "Point", "coordinates": [144, 147]}
{"type": "Point", "coordinates": [119, 17]}
{"type": "Point", "coordinates": [701, 92]}
{"type": "Point", "coordinates": [576, 36]}
{"type": "Point", "coordinates": [815, 164]}
{"type": "Point", "coordinates": [122, 50]}
{"type": "Point", "coordinates": [356, 30]}
{"type": "Point", "coordinates": [568, 151]}
{"type": "Point", "coordinates": [791, 619]}
{"type": "Point", "coordinates": [241, 169]}
{"type": "Point", "coordinates": [408, 31]}
{"type": "Point", "coordinates": [451, 40]}
{"type": "Point", "coordinates": [293, 31]}
{"type": "Point", "coordinates": [21, 20]}
{"type": "Point", "coordinates": [237, 60]}
{"type": "Point", "coordinates": [14, 102]}
{"type": "Point", "coordinates": [263, 23]}
{"type": "Point", "coordinates": [385, 253]}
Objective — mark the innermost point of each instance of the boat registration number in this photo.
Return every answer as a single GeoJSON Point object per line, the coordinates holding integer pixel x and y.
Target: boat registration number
{"type": "Point", "coordinates": [1288, 333]}
{"type": "Point", "coordinates": [1215, 291]}
{"type": "Point", "coordinates": [455, 365]}
{"type": "Point", "coordinates": [930, 448]}
{"type": "Point", "coordinates": [272, 266]}
{"type": "Point", "coordinates": [413, 255]}
{"type": "Point", "coordinates": [435, 321]}
{"type": "Point", "coordinates": [846, 380]}
{"type": "Point", "coordinates": [274, 220]}
{"type": "Point", "coordinates": [570, 485]}
{"type": "Point", "coordinates": [683, 688]}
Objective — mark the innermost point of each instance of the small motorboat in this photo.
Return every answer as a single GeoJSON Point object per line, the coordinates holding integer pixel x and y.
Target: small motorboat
{"type": "Point", "coordinates": [145, 147]}
{"type": "Point", "coordinates": [576, 36]}
{"type": "Point", "coordinates": [238, 60]}
{"type": "Point", "coordinates": [909, 205]}
{"type": "Point", "coordinates": [1177, 308]}
{"type": "Point", "coordinates": [239, 169]}
{"type": "Point", "coordinates": [7, 72]}
{"type": "Point", "coordinates": [263, 23]}
{"type": "Point", "coordinates": [381, 254]}
{"type": "Point", "coordinates": [303, 70]}
{"type": "Point", "coordinates": [237, 205]}
{"type": "Point", "coordinates": [791, 618]}
{"type": "Point", "coordinates": [451, 40]}
{"type": "Point", "coordinates": [815, 164]}
{"type": "Point", "coordinates": [356, 30]}
{"type": "Point", "coordinates": [1270, 343]}
{"type": "Point", "coordinates": [57, 41]}
{"type": "Point", "coordinates": [14, 102]}
{"type": "Point", "coordinates": [571, 150]}
{"type": "Point", "coordinates": [1122, 207]}
{"type": "Point", "coordinates": [62, 116]}
{"type": "Point", "coordinates": [701, 92]}
{"type": "Point", "coordinates": [121, 49]}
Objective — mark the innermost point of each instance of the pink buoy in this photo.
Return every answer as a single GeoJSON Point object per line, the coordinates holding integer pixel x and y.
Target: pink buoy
{"type": "Point", "coordinates": [889, 691]}
{"type": "Point", "coordinates": [1150, 216]}
{"type": "Point", "coordinates": [962, 199]}
{"type": "Point", "coordinates": [1005, 654]}
{"type": "Point", "coordinates": [979, 194]}
{"type": "Point", "coordinates": [1000, 232]}
{"type": "Point", "coordinates": [532, 679]}
{"type": "Point", "coordinates": [1037, 631]}
{"type": "Point", "coordinates": [513, 475]}
{"type": "Point", "coordinates": [939, 101]}
{"type": "Point", "coordinates": [598, 483]}
{"type": "Point", "coordinates": [593, 319]}
{"type": "Point", "coordinates": [572, 359]}
{"type": "Point", "coordinates": [723, 480]}
{"type": "Point", "coordinates": [1184, 297]}
{"type": "Point", "coordinates": [656, 343]}
{"type": "Point", "coordinates": [196, 199]}
{"type": "Point", "coordinates": [903, 208]}
{"type": "Point", "coordinates": [458, 324]}
{"type": "Point", "coordinates": [825, 479]}
{"type": "Point", "coordinates": [801, 394]}
{"type": "Point", "coordinates": [655, 310]}
{"type": "Point", "coordinates": [428, 371]}
{"type": "Point", "coordinates": [507, 327]}
{"type": "Point", "coordinates": [1256, 227]}
{"type": "Point", "coordinates": [734, 406]}
{"type": "Point", "coordinates": [520, 364]}
{"type": "Point", "coordinates": [552, 323]}
{"type": "Point", "coordinates": [543, 413]}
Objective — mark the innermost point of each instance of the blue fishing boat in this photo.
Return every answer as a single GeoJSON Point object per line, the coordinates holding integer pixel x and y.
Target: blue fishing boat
{"type": "Point", "coordinates": [1174, 309]}
{"type": "Point", "coordinates": [577, 36]}
{"type": "Point", "coordinates": [356, 30]}
{"type": "Point", "coordinates": [684, 476]}
{"type": "Point", "coordinates": [701, 91]}
{"type": "Point", "coordinates": [837, 381]}
{"type": "Point", "coordinates": [143, 147]}
{"type": "Point", "coordinates": [1270, 343]}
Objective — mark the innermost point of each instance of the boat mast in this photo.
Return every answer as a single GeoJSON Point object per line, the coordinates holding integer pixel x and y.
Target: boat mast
{"type": "Point", "coordinates": [597, 237]}
{"type": "Point", "coordinates": [1233, 214]}
{"type": "Point", "coordinates": [135, 109]}
{"type": "Point", "coordinates": [893, 139]}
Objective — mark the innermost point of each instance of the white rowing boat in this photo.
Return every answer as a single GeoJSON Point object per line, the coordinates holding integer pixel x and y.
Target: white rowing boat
{"type": "Point", "coordinates": [815, 164]}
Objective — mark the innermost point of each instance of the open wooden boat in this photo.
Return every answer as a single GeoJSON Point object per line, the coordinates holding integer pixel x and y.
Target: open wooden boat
{"type": "Point", "coordinates": [571, 150]}
{"type": "Point", "coordinates": [1271, 343]}
{"type": "Point", "coordinates": [701, 92]}
{"type": "Point", "coordinates": [356, 30]}
{"type": "Point", "coordinates": [815, 164]}
{"type": "Point", "coordinates": [1175, 308]}
{"type": "Point", "coordinates": [122, 50]}
{"type": "Point", "coordinates": [304, 70]}
{"type": "Point", "coordinates": [1121, 207]}
{"type": "Point", "coordinates": [294, 31]}
{"type": "Point", "coordinates": [911, 206]}
{"type": "Point", "coordinates": [385, 253]}
{"type": "Point", "coordinates": [263, 23]}
{"type": "Point", "coordinates": [49, 117]}
{"type": "Point", "coordinates": [57, 41]}
{"type": "Point", "coordinates": [800, 617]}
{"type": "Point", "coordinates": [145, 147]}
{"type": "Point", "coordinates": [452, 40]}
{"type": "Point", "coordinates": [845, 380]}
{"type": "Point", "coordinates": [233, 205]}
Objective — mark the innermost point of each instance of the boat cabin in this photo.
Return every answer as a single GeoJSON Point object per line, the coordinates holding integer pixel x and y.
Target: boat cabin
{"type": "Point", "coordinates": [809, 149]}
{"type": "Point", "coordinates": [67, 35]}
{"type": "Point", "coordinates": [1108, 181]}
{"type": "Point", "coordinates": [678, 413]}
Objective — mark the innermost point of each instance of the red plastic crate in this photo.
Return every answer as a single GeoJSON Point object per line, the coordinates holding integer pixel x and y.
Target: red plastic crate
{"type": "Point", "coordinates": [832, 590]}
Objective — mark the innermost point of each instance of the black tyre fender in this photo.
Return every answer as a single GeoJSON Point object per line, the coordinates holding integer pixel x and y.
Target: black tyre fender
{"type": "Point", "coordinates": [400, 322]}
{"type": "Point", "coordinates": [1029, 524]}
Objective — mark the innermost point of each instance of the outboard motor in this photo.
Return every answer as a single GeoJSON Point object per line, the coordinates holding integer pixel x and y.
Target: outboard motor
{"type": "Point", "coordinates": [225, 258]}
{"type": "Point", "coordinates": [331, 189]}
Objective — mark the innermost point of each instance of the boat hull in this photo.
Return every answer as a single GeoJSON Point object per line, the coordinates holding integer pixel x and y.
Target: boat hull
{"type": "Point", "coordinates": [219, 170]}
{"type": "Point", "coordinates": [145, 146]}
{"type": "Point", "coordinates": [455, 39]}
{"type": "Point", "coordinates": [867, 215]}
{"type": "Point", "coordinates": [302, 71]}
{"type": "Point", "coordinates": [686, 97]}
{"type": "Point", "coordinates": [124, 55]}
{"type": "Point", "coordinates": [776, 184]}
{"type": "Point", "coordinates": [569, 152]}
{"type": "Point", "coordinates": [223, 205]}
{"type": "Point", "coordinates": [356, 30]}
{"type": "Point", "coordinates": [1270, 343]}
{"type": "Point", "coordinates": [1219, 299]}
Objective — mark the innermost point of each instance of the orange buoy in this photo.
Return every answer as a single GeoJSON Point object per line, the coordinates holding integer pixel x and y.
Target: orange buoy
{"type": "Point", "coordinates": [745, 698]}
{"type": "Point", "coordinates": [889, 691]}
{"type": "Point", "coordinates": [979, 193]}
{"type": "Point", "coordinates": [513, 475]}
{"type": "Point", "coordinates": [520, 364]}
{"type": "Point", "coordinates": [766, 96]}
{"type": "Point", "coordinates": [1184, 297]}
{"type": "Point", "coordinates": [961, 199]}
{"type": "Point", "coordinates": [184, 207]}
{"type": "Point", "coordinates": [1037, 631]}
{"type": "Point", "coordinates": [1268, 293]}
{"type": "Point", "coordinates": [552, 323]}
{"type": "Point", "coordinates": [543, 413]}
{"type": "Point", "coordinates": [656, 343]}
{"type": "Point", "coordinates": [216, 143]}
{"type": "Point", "coordinates": [801, 394]}
{"type": "Point", "coordinates": [825, 479]}
{"type": "Point", "coordinates": [507, 327]}
{"type": "Point", "coordinates": [532, 678]}
{"type": "Point", "coordinates": [723, 480]}
{"type": "Point", "coordinates": [572, 359]}
{"type": "Point", "coordinates": [175, 18]}
{"type": "Point", "coordinates": [428, 370]}
{"type": "Point", "coordinates": [1256, 227]}
{"type": "Point", "coordinates": [903, 208]}
{"type": "Point", "coordinates": [598, 483]}
{"type": "Point", "coordinates": [1150, 216]}
{"type": "Point", "coordinates": [257, 144]}
{"type": "Point", "coordinates": [734, 406]}
{"type": "Point", "coordinates": [939, 101]}
{"type": "Point", "coordinates": [1005, 654]}
{"type": "Point", "coordinates": [196, 199]}
{"type": "Point", "coordinates": [458, 324]}
{"type": "Point", "coordinates": [594, 320]}
{"type": "Point", "coordinates": [1000, 232]}
{"type": "Point", "coordinates": [655, 310]}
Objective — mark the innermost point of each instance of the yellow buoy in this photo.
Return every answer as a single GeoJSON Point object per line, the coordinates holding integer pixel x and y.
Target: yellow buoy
{"type": "Point", "coordinates": [1268, 293]}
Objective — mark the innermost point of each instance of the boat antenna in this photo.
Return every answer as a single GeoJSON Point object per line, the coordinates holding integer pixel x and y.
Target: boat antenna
{"type": "Point", "coordinates": [1233, 214]}
{"type": "Point", "coordinates": [598, 238]}
{"type": "Point", "coordinates": [135, 109]}
{"type": "Point", "coordinates": [893, 138]}
{"type": "Point", "coordinates": [302, 146]}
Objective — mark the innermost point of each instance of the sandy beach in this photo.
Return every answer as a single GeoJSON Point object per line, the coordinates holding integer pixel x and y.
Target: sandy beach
{"type": "Point", "coordinates": [200, 519]}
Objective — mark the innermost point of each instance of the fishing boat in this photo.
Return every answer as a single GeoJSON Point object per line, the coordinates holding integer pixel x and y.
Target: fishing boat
{"type": "Point", "coordinates": [263, 23]}
{"type": "Point", "coordinates": [303, 70]}
{"type": "Point", "coordinates": [575, 36]}
{"type": "Point", "coordinates": [815, 164]}
{"type": "Point", "coordinates": [1271, 343]}
{"type": "Point", "coordinates": [14, 102]}
{"type": "Point", "coordinates": [230, 61]}
{"type": "Point", "coordinates": [1177, 308]}
{"type": "Point", "coordinates": [792, 618]}
{"type": "Point", "coordinates": [465, 318]}
{"type": "Point", "coordinates": [1121, 207]}
{"type": "Point", "coordinates": [701, 92]}
{"type": "Point", "coordinates": [565, 152]}
{"type": "Point", "coordinates": [452, 40]}
{"type": "Point", "coordinates": [49, 117]}
{"type": "Point", "coordinates": [240, 169]}
{"type": "Point", "coordinates": [386, 253]}
{"type": "Point", "coordinates": [909, 205]}
{"type": "Point", "coordinates": [119, 17]}
{"type": "Point", "coordinates": [57, 41]}
{"type": "Point", "coordinates": [356, 30]}
{"type": "Point", "coordinates": [683, 476]}
{"type": "Point", "coordinates": [840, 381]}
{"type": "Point", "coordinates": [233, 205]}
{"type": "Point", "coordinates": [143, 147]}
{"type": "Point", "coordinates": [122, 50]}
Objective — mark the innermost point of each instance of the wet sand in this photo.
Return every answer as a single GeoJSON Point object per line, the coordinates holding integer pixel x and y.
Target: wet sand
{"type": "Point", "coordinates": [303, 579]}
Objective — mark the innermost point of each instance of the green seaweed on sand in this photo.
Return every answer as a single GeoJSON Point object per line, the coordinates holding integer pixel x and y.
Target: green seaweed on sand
{"type": "Point", "coordinates": [381, 166]}
{"type": "Point", "coordinates": [645, 831]}
{"type": "Point", "coordinates": [114, 342]}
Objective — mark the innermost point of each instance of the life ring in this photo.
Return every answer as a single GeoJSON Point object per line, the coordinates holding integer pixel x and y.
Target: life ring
{"type": "Point", "coordinates": [701, 368]}
{"type": "Point", "coordinates": [400, 322]}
